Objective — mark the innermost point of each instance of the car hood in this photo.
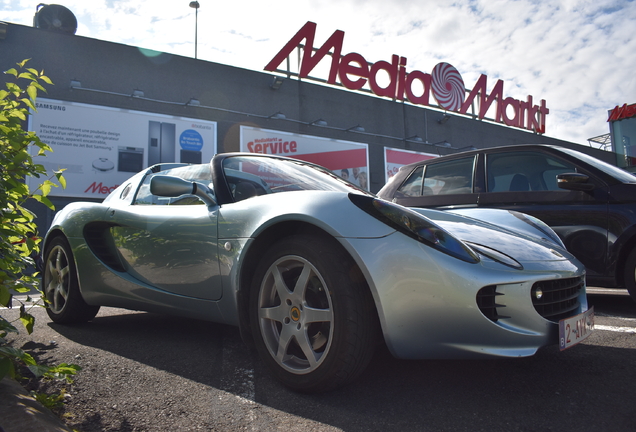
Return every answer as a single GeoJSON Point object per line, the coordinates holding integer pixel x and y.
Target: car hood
{"type": "Point", "coordinates": [502, 233]}
{"type": "Point", "coordinates": [515, 221]}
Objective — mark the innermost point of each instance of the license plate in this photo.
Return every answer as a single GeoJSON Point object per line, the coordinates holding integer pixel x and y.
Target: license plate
{"type": "Point", "coordinates": [575, 329]}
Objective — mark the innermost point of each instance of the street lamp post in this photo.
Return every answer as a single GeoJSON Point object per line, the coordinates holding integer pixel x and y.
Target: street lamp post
{"type": "Point", "coordinates": [195, 6]}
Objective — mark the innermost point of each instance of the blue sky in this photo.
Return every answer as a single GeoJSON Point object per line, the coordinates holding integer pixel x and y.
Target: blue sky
{"type": "Point", "coordinates": [578, 55]}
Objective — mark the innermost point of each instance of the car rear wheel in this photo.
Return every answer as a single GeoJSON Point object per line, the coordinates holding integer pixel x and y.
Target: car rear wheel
{"type": "Point", "coordinates": [312, 314]}
{"type": "Point", "coordinates": [630, 274]}
{"type": "Point", "coordinates": [65, 302]}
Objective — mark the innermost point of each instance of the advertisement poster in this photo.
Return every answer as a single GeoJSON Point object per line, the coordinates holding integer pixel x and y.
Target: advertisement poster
{"type": "Point", "coordinates": [100, 147]}
{"type": "Point", "coordinates": [395, 158]}
{"type": "Point", "coordinates": [350, 160]}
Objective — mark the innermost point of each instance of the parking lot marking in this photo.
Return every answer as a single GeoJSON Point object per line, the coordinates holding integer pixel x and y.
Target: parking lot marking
{"type": "Point", "coordinates": [615, 328]}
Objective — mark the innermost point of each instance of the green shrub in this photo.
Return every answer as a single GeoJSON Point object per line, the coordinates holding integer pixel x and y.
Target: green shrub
{"type": "Point", "coordinates": [19, 241]}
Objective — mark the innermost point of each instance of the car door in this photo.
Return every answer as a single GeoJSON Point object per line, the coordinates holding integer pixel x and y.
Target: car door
{"type": "Point", "coordinates": [170, 243]}
{"type": "Point", "coordinates": [442, 184]}
{"type": "Point", "coordinates": [525, 181]}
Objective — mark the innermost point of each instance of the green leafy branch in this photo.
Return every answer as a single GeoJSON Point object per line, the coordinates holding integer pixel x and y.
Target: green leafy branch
{"type": "Point", "coordinates": [19, 241]}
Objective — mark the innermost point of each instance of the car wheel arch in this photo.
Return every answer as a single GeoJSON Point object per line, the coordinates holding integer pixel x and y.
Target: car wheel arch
{"type": "Point", "coordinates": [628, 273]}
{"type": "Point", "coordinates": [620, 252]}
{"type": "Point", "coordinates": [621, 261]}
{"type": "Point", "coordinates": [75, 309]}
{"type": "Point", "coordinates": [54, 232]}
{"type": "Point", "coordinates": [50, 236]}
{"type": "Point", "coordinates": [258, 247]}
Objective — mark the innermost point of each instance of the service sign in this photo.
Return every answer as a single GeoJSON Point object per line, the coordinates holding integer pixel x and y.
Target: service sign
{"type": "Point", "coordinates": [347, 159]}
{"type": "Point", "coordinates": [396, 158]}
{"type": "Point", "coordinates": [100, 147]}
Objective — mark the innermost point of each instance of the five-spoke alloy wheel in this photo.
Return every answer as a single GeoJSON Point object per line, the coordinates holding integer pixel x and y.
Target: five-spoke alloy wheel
{"type": "Point", "coordinates": [65, 302]}
{"type": "Point", "coordinates": [312, 318]}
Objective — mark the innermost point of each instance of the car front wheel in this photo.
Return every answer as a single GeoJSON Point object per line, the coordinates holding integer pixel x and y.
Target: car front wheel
{"type": "Point", "coordinates": [65, 304]}
{"type": "Point", "coordinates": [312, 314]}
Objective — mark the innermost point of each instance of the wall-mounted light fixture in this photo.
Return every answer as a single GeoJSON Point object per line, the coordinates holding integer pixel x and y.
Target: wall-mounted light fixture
{"type": "Point", "coordinates": [444, 119]}
{"type": "Point", "coordinates": [356, 128]}
{"type": "Point", "coordinates": [193, 102]}
{"type": "Point", "coordinates": [467, 148]}
{"type": "Point", "coordinates": [415, 138]}
{"type": "Point", "coordinates": [278, 115]}
{"type": "Point", "coordinates": [137, 93]}
{"type": "Point", "coordinates": [319, 122]}
{"type": "Point", "coordinates": [75, 84]}
{"type": "Point", "coordinates": [442, 144]}
{"type": "Point", "coordinates": [276, 83]}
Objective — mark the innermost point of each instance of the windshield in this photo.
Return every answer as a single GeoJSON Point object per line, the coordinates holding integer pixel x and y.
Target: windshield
{"type": "Point", "coordinates": [249, 176]}
{"type": "Point", "coordinates": [617, 173]}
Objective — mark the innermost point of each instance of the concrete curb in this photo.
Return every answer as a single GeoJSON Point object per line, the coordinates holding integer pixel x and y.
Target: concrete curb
{"type": "Point", "coordinates": [19, 412]}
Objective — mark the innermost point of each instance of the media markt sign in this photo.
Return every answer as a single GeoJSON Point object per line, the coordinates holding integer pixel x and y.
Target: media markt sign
{"type": "Point", "coordinates": [444, 82]}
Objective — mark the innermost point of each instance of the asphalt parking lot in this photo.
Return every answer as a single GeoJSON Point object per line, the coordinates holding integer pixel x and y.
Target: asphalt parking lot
{"type": "Point", "coordinates": [147, 372]}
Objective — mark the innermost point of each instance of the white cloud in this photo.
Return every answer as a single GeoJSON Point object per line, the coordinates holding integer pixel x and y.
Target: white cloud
{"type": "Point", "coordinates": [576, 54]}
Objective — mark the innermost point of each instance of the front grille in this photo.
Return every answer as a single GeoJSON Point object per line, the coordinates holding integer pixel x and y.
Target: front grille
{"type": "Point", "coordinates": [557, 299]}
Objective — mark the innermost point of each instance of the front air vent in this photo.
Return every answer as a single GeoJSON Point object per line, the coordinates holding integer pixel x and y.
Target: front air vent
{"type": "Point", "coordinates": [557, 299]}
{"type": "Point", "coordinates": [101, 244]}
{"type": "Point", "coordinates": [487, 303]}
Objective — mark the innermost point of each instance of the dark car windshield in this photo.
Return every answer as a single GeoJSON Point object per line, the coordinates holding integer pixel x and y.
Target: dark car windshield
{"type": "Point", "coordinates": [617, 173]}
{"type": "Point", "coordinates": [256, 175]}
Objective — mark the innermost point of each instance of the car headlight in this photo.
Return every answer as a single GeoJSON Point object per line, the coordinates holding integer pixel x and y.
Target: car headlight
{"type": "Point", "coordinates": [415, 226]}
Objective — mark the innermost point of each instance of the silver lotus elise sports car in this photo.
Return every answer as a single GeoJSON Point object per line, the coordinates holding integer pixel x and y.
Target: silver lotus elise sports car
{"type": "Point", "coordinates": [314, 271]}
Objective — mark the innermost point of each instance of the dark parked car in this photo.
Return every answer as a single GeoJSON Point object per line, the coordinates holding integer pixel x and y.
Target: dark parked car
{"type": "Point", "coordinates": [589, 203]}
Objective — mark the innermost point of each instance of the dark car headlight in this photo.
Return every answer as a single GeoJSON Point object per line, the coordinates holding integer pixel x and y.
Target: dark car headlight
{"type": "Point", "coordinates": [415, 226]}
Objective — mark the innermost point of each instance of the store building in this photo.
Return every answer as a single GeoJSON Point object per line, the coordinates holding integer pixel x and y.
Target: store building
{"type": "Point", "coordinates": [115, 109]}
{"type": "Point", "coordinates": [622, 121]}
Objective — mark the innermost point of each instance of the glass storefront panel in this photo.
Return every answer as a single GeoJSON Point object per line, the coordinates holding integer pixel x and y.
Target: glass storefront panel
{"type": "Point", "coordinates": [624, 139]}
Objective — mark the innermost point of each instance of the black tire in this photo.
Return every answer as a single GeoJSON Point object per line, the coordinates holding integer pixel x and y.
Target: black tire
{"type": "Point", "coordinates": [318, 334]}
{"type": "Point", "coordinates": [60, 286]}
{"type": "Point", "coordinates": [629, 275]}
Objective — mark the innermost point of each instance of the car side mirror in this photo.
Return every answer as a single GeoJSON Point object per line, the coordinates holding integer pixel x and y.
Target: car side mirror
{"type": "Point", "coordinates": [574, 181]}
{"type": "Point", "coordinates": [172, 187]}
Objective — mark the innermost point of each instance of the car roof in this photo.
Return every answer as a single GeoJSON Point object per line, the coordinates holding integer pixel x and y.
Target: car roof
{"type": "Point", "coordinates": [610, 173]}
{"type": "Point", "coordinates": [516, 147]}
